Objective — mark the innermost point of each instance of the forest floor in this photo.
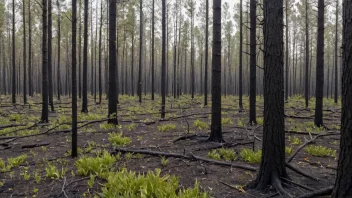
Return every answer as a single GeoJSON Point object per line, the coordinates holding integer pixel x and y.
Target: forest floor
{"type": "Point", "coordinates": [36, 158]}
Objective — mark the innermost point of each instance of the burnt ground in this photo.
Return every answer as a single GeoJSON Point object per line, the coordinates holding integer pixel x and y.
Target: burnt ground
{"type": "Point", "coordinates": [140, 123]}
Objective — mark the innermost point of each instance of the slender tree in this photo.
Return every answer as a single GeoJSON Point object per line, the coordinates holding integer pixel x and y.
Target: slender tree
{"type": "Point", "coordinates": [319, 92]}
{"type": "Point", "coordinates": [163, 60]}
{"type": "Point", "coordinates": [153, 56]}
{"type": "Point", "coordinates": [74, 79]}
{"type": "Point", "coordinates": [50, 62]}
{"type": "Point", "coordinates": [24, 56]}
{"type": "Point", "coordinates": [216, 129]}
{"type": "Point", "coordinates": [241, 58]}
{"type": "Point", "coordinates": [287, 53]}
{"type": "Point", "coordinates": [59, 49]}
{"type": "Point", "coordinates": [30, 72]}
{"type": "Point", "coordinates": [112, 106]}
{"type": "Point", "coordinates": [336, 49]}
{"type": "Point", "coordinates": [206, 52]}
{"type": "Point", "coordinates": [85, 59]}
{"type": "Point", "coordinates": [253, 62]}
{"type": "Point", "coordinates": [45, 95]}
{"type": "Point", "coordinates": [13, 54]}
{"type": "Point", "coordinates": [343, 186]}
{"type": "Point", "coordinates": [272, 167]}
{"type": "Point", "coordinates": [140, 50]}
{"type": "Point", "coordinates": [306, 92]}
{"type": "Point", "coordinates": [100, 67]}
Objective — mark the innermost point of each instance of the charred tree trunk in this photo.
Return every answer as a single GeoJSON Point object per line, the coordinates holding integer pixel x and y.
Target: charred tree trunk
{"type": "Point", "coordinates": [163, 60]}
{"type": "Point", "coordinates": [50, 65]}
{"type": "Point", "coordinates": [112, 106]}
{"type": "Point", "coordinates": [216, 129]}
{"type": "Point", "coordinates": [45, 96]}
{"type": "Point", "coordinates": [140, 51]}
{"type": "Point", "coordinates": [24, 56]}
{"type": "Point", "coordinates": [80, 51]}
{"type": "Point", "coordinates": [336, 57]}
{"type": "Point", "coordinates": [287, 54]}
{"type": "Point", "coordinates": [319, 89]}
{"type": "Point", "coordinates": [100, 32]}
{"type": "Point", "coordinates": [306, 92]}
{"type": "Point", "coordinates": [153, 26]}
{"type": "Point", "coordinates": [272, 167]}
{"type": "Point", "coordinates": [14, 54]}
{"type": "Point", "coordinates": [241, 58]}
{"type": "Point", "coordinates": [30, 72]}
{"type": "Point", "coordinates": [253, 63]}
{"type": "Point", "coordinates": [74, 79]}
{"type": "Point", "coordinates": [206, 52]}
{"type": "Point", "coordinates": [59, 49]}
{"type": "Point", "coordinates": [343, 185]}
{"type": "Point", "coordinates": [85, 59]}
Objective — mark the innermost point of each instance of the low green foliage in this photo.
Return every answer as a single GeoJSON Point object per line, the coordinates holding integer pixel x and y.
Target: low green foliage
{"type": "Point", "coordinates": [117, 139]}
{"type": "Point", "coordinates": [226, 121]}
{"type": "Point", "coordinates": [226, 154]}
{"type": "Point", "coordinates": [53, 172]}
{"type": "Point", "coordinates": [107, 126]}
{"type": "Point", "coordinates": [260, 121]}
{"type": "Point", "coordinates": [130, 184]}
{"type": "Point", "coordinates": [295, 140]}
{"type": "Point", "coordinates": [320, 151]}
{"type": "Point", "coordinates": [214, 155]}
{"type": "Point", "coordinates": [16, 161]}
{"type": "Point", "coordinates": [130, 127]}
{"type": "Point", "coordinates": [288, 151]}
{"type": "Point", "coordinates": [95, 165]}
{"type": "Point", "coordinates": [16, 117]}
{"type": "Point", "coordinates": [164, 161]}
{"type": "Point", "coordinates": [240, 122]}
{"type": "Point", "coordinates": [251, 156]}
{"type": "Point", "coordinates": [200, 125]}
{"type": "Point", "coordinates": [166, 127]}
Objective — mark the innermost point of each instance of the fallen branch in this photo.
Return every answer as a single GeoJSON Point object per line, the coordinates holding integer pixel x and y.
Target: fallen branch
{"type": "Point", "coordinates": [297, 184]}
{"type": "Point", "coordinates": [307, 143]}
{"type": "Point", "coordinates": [10, 126]}
{"type": "Point", "coordinates": [318, 193]}
{"type": "Point", "coordinates": [300, 172]}
{"type": "Point", "coordinates": [35, 145]}
{"type": "Point", "coordinates": [189, 156]}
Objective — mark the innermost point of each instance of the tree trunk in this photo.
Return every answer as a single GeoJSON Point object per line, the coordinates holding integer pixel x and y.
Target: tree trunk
{"type": "Point", "coordinates": [85, 59]}
{"type": "Point", "coordinates": [241, 58]}
{"type": "Point", "coordinates": [153, 26]}
{"type": "Point", "coordinates": [59, 49]}
{"type": "Point", "coordinates": [163, 60]}
{"type": "Point", "coordinates": [45, 97]}
{"type": "Point", "coordinates": [319, 89]}
{"type": "Point", "coordinates": [253, 63]}
{"type": "Point", "coordinates": [24, 56]}
{"type": "Point", "coordinates": [140, 50]}
{"type": "Point", "coordinates": [50, 67]}
{"type": "Point", "coordinates": [287, 54]}
{"type": "Point", "coordinates": [80, 51]}
{"type": "Point", "coordinates": [336, 49]}
{"type": "Point", "coordinates": [206, 52]}
{"type": "Point", "coordinates": [343, 185]}
{"type": "Point", "coordinates": [14, 54]}
{"type": "Point", "coordinates": [306, 92]}
{"type": "Point", "coordinates": [112, 106]}
{"type": "Point", "coordinates": [100, 32]}
{"type": "Point", "coordinates": [216, 130]}
{"type": "Point", "coordinates": [30, 72]}
{"type": "Point", "coordinates": [74, 79]}
{"type": "Point", "coordinates": [272, 167]}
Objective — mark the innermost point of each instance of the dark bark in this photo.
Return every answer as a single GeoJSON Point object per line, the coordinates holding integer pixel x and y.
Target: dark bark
{"type": "Point", "coordinates": [319, 88]}
{"type": "Point", "coordinates": [100, 68]}
{"type": "Point", "coordinates": [336, 50]}
{"type": "Point", "coordinates": [30, 72]}
{"type": "Point", "coordinates": [163, 60]}
{"type": "Point", "coordinates": [241, 58]}
{"type": "Point", "coordinates": [50, 62]}
{"type": "Point", "coordinates": [192, 48]}
{"type": "Point", "coordinates": [85, 60]}
{"type": "Point", "coordinates": [272, 167]}
{"type": "Point", "coordinates": [153, 26]}
{"type": "Point", "coordinates": [343, 185]}
{"type": "Point", "coordinates": [80, 50]}
{"type": "Point", "coordinates": [24, 56]}
{"type": "Point", "coordinates": [216, 129]}
{"type": "Point", "coordinates": [132, 60]}
{"type": "Point", "coordinates": [74, 79]}
{"type": "Point", "coordinates": [306, 92]}
{"type": "Point", "coordinates": [287, 54]}
{"type": "Point", "coordinates": [140, 50]}
{"type": "Point", "coordinates": [59, 50]}
{"type": "Point", "coordinates": [253, 62]}
{"type": "Point", "coordinates": [45, 95]}
{"type": "Point", "coordinates": [112, 106]}
{"type": "Point", "coordinates": [13, 54]}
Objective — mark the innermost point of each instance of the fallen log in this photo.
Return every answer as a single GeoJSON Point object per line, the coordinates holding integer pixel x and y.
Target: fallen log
{"type": "Point", "coordinates": [322, 192]}
{"type": "Point", "coordinates": [34, 145]}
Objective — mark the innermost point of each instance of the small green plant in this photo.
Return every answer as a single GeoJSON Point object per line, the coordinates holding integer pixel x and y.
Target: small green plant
{"type": "Point", "coordinates": [260, 121]}
{"type": "Point", "coordinates": [200, 125]}
{"type": "Point", "coordinates": [117, 140]}
{"type": "Point", "coordinates": [320, 151]}
{"type": "Point", "coordinates": [251, 156]}
{"type": "Point", "coordinates": [164, 161]}
{"type": "Point", "coordinates": [240, 122]}
{"type": "Point", "coordinates": [226, 121]}
{"type": "Point", "coordinates": [288, 151]}
{"type": "Point", "coordinates": [107, 126]}
{"type": "Point", "coordinates": [227, 154]}
{"type": "Point", "coordinates": [95, 165]}
{"type": "Point", "coordinates": [26, 176]}
{"type": "Point", "coordinates": [166, 127]}
{"type": "Point", "coordinates": [52, 172]}
{"type": "Point", "coordinates": [2, 164]}
{"type": "Point", "coordinates": [131, 127]}
{"type": "Point", "coordinates": [295, 140]}
{"type": "Point", "coordinates": [37, 177]}
{"type": "Point", "coordinates": [44, 148]}
{"type": "Point", "coordinates": [128, 156]}
{"type": "Point", "coordinates": [91, 181]}
{"type": "Point", "coordinates": [15, 162]}
{"type": "Point", "coordinates": [214, 155]}
{"type": "Point", "coordinates": [16, 117]}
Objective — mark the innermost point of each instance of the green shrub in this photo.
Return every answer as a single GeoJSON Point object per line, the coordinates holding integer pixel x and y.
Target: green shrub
{"type": "Point", "coordinates": [166, 127]}
{"type": "Point", "coordinates": [226, 121]}
{"type": "Point", "coordinates": [214, 155]}
{"type": "Point", "coordinates": [117, 140]}
{"type": "Point", "coordinates": [130, 184]}
{"type": "Point", "coordinates": [95, 165]}
{"type": "Point", "coordinates": [200, 125]}
{"type": "Point", "coordinates": [251, 156]}
{"type": "Point", "coordinates": [320, 151]}
{"type": "Point", "coordinates": [227, 154]}
{"type": "Point", "coordinates": [295, 140]}
{"type": "Point", "coordinates": [260, 121]}
{"type": "Point", "coordinates": [288, 151]}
